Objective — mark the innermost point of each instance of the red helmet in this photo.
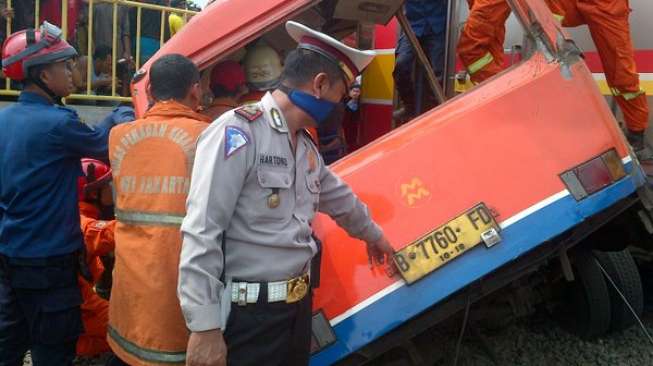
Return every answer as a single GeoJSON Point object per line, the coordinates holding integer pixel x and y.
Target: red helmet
{"type": "Point", "coordinates": [96, 175]}
{"type": "Point", "coordinates": [229, 75]}
{"type": "Point", "coordinates": [27, 48]}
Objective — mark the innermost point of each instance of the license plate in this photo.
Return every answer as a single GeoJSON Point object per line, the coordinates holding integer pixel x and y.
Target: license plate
{"type": "Point", "coordinates": [445, 243]}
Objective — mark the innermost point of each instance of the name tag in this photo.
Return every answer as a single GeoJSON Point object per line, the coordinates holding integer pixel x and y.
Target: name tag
{"type": "Point", "coordinates": [272, 160]}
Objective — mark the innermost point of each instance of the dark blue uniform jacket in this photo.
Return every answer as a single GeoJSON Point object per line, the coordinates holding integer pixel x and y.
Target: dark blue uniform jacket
{"type": "Point", "coordinates": [40, 149]}
{"type": "Point", "coordinates": [427, 16]}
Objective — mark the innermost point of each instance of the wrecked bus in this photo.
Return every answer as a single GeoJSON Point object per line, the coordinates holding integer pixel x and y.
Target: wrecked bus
{"type": "Point", "coordinates": [527, 171]}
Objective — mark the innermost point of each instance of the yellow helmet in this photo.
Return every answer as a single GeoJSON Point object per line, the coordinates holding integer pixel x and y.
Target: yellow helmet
{"type": "Point", "coordinates": [262, 67]}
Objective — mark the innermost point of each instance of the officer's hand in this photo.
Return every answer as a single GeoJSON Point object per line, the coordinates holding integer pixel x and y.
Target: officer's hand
{"type": "Point", "coordinates": [380, 251]}
{"type": "Point", "coordinates": [206, 349]}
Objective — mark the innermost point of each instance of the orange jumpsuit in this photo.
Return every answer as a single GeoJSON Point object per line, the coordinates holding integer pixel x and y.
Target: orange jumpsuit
{"type": "Point", "coordinates": [98, 238]}
{"type": "Point", "coordinates": [481, 46]}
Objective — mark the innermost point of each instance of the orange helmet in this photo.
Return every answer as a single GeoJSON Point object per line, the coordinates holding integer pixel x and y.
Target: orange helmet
{"type": "Point", "coordinates": [96, 175]}
{"type": "Point", "coordinates": [28, 48]}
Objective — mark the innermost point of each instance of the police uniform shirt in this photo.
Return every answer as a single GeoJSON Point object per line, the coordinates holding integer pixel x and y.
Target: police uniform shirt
{"type": "Point", "coordinates": [248, 183]}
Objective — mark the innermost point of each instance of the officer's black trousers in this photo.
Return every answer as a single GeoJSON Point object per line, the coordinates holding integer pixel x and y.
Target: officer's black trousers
{"type": "Point", "coordinates": [39, 311]}
{"type": "Point", "coordinates": [271, 334]}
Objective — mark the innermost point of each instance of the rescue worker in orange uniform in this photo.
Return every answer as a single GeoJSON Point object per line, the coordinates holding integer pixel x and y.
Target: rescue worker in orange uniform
{"type": "Point", "coordinates": [97, 224]}
{"type": "Point", "coordinates": [481, 51]}
{"type": "Point", "coordinates": [94, 192]}
{"type": "Point", "coordinates": [228, 85]}
{"type": "Point", "coordinates": [152, 159]}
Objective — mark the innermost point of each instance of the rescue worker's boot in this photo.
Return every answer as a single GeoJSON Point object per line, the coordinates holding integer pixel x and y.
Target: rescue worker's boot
{"type": "Point", "coordinates": [642, 151]}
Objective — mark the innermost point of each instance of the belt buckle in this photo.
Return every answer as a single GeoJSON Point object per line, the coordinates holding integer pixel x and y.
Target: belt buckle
{"type": "Point", "coordinates": [242, 294]}
{"type": "Point", "coordinates": [297, 289]}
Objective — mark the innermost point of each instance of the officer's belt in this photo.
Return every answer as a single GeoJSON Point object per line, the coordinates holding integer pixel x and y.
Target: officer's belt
{"type": "Point", "coordinates": [290, 291]}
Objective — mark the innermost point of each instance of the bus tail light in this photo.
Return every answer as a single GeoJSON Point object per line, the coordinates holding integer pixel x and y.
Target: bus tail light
{"type": "Point", "coordinates": [594, 175]}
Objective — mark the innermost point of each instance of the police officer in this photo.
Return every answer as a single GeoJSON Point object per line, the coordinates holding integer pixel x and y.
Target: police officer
{"type": "Point", "coordinates": [257, 183]}
{"type": "Point", "coordinates": [41, 144]}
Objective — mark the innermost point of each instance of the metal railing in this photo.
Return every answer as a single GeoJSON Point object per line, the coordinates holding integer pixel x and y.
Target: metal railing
{"type": "Point", "coordinates": [132, 6]}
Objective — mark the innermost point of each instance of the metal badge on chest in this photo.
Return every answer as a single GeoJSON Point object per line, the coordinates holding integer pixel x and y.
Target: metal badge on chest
{"type": "Point", "coordinates": [277, 120]}
{"type": "Point", "coordinates": [274, 199]}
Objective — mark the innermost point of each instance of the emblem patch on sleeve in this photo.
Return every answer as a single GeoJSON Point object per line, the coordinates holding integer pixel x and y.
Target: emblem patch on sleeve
{"type": "Point", "coordinates": [250, 112]}
{"type": "Point", "coordinates": [235, 139]}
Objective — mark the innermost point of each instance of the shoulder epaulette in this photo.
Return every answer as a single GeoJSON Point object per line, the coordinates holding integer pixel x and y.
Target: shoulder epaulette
{"type": "Point", "coordinates": [250, 112]}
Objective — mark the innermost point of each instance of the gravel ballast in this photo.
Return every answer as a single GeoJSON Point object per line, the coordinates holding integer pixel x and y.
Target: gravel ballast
{"type": "Point", "coordinates": [541, 341]}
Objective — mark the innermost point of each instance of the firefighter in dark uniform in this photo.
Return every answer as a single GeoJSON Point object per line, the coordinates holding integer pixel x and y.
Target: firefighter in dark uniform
{"type": "Point", "coordinates": [257, 184]}
{"type": "Point", "coordinates": [41, 144]}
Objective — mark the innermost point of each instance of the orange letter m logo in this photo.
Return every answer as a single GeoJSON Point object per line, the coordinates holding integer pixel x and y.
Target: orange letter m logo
{"type": "Point", "coordinates": [413, 191]}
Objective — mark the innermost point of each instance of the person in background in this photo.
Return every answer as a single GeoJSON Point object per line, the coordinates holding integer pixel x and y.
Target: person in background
{"type": "Point", "coordinates": [176, 21]}
{"type": "Point", "coordinates": [150, 30]}
{"type": "Point", "coordinates": [21, 14]}
{"type": "Point", "coordinates": [428, 19]}
{"type": "Point", "coordinates": [331, 135]}
{"type": "Point", "coordinates": [262, 69]}
{"type": "Point", "coordinates": [100, 71]}
{"type": "Point", "coordinates": [331, 138]}
{"type": "Point", "coordinates": [50, 11]}
{"type": "Point", "coordinates": [82, 29]}
{"type": "Point", "coordinates": [228, 85]}
{"type": "Point", "coordinates": [41, 144]}
{"type": "Point", "coordinates": [103, 29]}
{"type": "Point", "coordinates": [353, 104]}
{"type": "Point", "coordinates": [152, 178]}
